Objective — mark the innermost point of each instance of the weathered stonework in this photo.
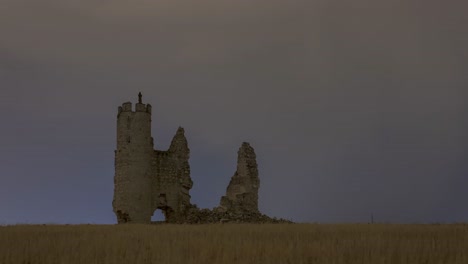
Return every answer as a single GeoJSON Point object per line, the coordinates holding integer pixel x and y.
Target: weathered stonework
{"type": "Point", "coordinates": [171, 181]}
{"type": "Point", "coordinates": [147, 179]}
{"type": "Point", "coordinates": [242, 191]}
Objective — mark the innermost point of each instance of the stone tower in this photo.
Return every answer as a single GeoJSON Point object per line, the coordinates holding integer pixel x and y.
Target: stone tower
{"type": "Point", "coordinates": [146, 179]}
{"type": "Point", "coordinates": [133, 164]}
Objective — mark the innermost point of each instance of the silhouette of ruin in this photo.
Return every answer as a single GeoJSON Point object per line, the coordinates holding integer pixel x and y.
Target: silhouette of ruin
{"type": "Point", "coordinates": [147, 179]}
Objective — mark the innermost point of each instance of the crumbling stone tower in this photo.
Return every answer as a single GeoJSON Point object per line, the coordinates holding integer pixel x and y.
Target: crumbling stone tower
{"type": "Point", "coordinates": [147, 179]}
{"type": "Point", "coordinates": [242, 191]}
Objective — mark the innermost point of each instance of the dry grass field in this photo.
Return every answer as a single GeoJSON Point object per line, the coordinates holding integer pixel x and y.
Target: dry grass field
{"type": "Point", "coordinates": [234, 243]}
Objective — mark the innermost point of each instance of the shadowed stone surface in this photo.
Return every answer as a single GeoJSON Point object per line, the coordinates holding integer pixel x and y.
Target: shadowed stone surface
{"type": "Point", "coordinates": [147, 179]}
{"type": "Point", "coordinates": [242, 191]}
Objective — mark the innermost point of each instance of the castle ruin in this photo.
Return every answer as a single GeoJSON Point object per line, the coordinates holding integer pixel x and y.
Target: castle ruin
{"type": "Point", "coordinates": [147, 179]}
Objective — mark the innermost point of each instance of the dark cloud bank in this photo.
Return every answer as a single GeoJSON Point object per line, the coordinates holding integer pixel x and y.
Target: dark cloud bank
{"type": "Point", "coordinates": [353, 107]}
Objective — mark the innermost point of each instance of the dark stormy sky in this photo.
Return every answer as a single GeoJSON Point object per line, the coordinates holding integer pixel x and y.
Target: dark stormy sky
{"type": "Point", "coordinates": [353, 107]}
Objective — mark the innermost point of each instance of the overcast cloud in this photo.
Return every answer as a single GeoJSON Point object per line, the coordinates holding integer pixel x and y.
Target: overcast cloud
{"type": "Point", "coordinates": [353, 107]}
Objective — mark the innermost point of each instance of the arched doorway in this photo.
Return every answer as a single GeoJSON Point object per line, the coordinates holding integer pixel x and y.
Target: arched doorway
{"type": "Point", "coordinates": [158, 216]}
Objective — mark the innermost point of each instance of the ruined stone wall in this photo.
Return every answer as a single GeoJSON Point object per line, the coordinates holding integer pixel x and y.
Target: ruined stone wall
{"type": "Point", "coordinates": [242, 191]}
{"type": "Point", "coordinates": [171, 179]}
{"type": "Point", "coordinates": [147, 180]}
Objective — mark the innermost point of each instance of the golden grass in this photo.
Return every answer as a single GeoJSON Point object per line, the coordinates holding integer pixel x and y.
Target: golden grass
{"type": "Point", "coordinates": [235, 243]}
